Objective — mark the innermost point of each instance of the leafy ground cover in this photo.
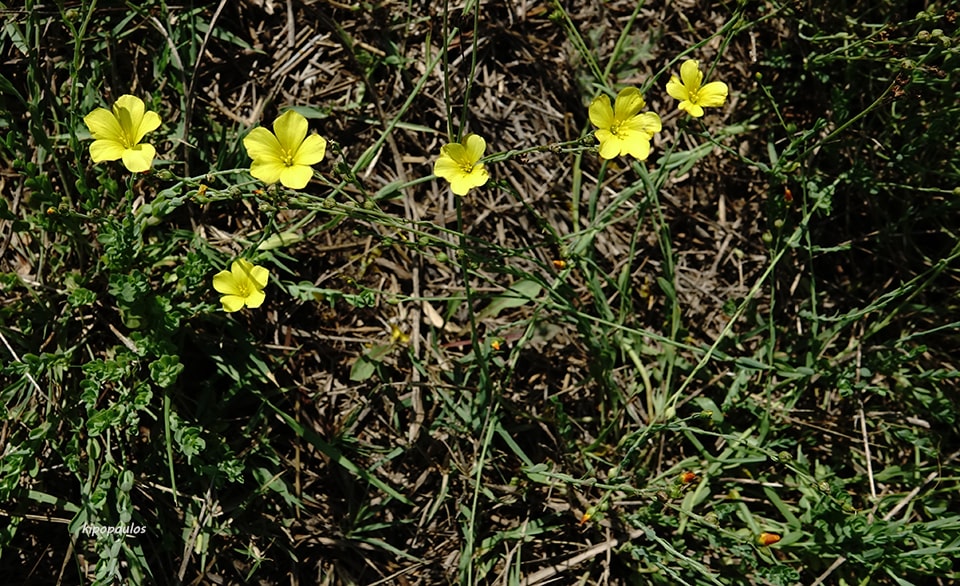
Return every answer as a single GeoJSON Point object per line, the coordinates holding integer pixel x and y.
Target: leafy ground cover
{"type": "Point", "coordinates": [733, 362]}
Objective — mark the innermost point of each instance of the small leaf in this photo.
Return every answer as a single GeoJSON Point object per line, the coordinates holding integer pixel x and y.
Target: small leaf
{"type": "Point", "coordinates": [280, 240]}
{"type": "Point", "coordinates": [516, 295]}
{"type": "Point", "coordinates": [362, 369]}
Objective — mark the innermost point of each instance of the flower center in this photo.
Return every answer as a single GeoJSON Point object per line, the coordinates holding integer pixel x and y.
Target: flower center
{"type": "Point", "coordinates": [287, 158]}
{"type": "Point", "coordinates": [615, 128]}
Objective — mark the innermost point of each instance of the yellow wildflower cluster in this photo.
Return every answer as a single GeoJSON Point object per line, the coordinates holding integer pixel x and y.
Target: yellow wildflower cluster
{"type": "Point", "coordinates": [625, 130]}
{"type": "Point", "coordinates": [621, 129]}
{"type": "Point", "coordinates": [287, 154]}
{"type": "Point", "coordinates": [284, 155]}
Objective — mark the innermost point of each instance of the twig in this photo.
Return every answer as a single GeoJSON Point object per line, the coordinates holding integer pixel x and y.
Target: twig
{"type": "Point", "coordinates": [547, 573]}
{"type": "Point", "coordinates": [863, 428]}
{"type": "Point", "coordinates": [17, 359]}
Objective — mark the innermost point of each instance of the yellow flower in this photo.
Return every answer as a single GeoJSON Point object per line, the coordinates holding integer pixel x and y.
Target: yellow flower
{"type": "Point", "coordinates": [459, 163]}
{"type": "Point", "coordinates": [117, 134]}
{"type": "Point", "coordinates": [287, 155]}
{"type": "Point", "coordinates": [693, 97]}
{"type": "Point", "coordinates": [242, 285]}
{"type": "Point", "coordinates": [623, 130]}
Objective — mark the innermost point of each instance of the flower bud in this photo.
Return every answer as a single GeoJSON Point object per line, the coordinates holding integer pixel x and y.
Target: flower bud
{"type": "Point", "coordinates": [768, 538]}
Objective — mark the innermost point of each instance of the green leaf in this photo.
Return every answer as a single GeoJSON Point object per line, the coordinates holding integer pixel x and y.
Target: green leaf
{"type": "Point", "coordinates": [165, 370]}
{"type": "Point", "coordinates": [362, 369]}
{"type": "Point", "coordinates": [280, 240]}
{"type": "Point", "coordinates": [752, 364]}
{"type": "Point", "coordinates": [681, 162]}
{"type": "Point", "coordinates": [516, 295]}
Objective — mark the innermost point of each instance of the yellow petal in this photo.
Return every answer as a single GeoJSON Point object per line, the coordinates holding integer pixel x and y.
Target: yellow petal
{"type": "Point", "coordinates": [224, 283]}
{"type": "Point", "coordinates": [601, 114]}
{"type": "Point", "coordinates": [103, 125]}
{"type": "Point", "coordinates": [637, 145]}
{"type": "Point", "coordinates": [609, 144]}
{"type": "Point", "coordinates": [460, 185]}
{"type": "Point", "coordinates": [241, 270]}
{"type": "Point", "coordinates": [629, 102]}
{"type": "Point", "coordinates": [457, 153]}
{"type": "Point", "coordinates": [690, 108]}
{"type": "Point", "coordinates": [474, 146]}
{"type": "Point", "coordinates": [139, 158]}
{"type": "Point", "coordinates": [445, 167]}
{"type": "Point", "coordinates": [291, 129]}
{"type": "Point", "coordinates": [479, 175]}
{"type": "Point", "coordinates": [647, 123]}
{"type": "Point", "coordinates": [149, 123]}
{"type": "Point", "coordinates": [260, 276]}
{"type": "Point", "coordinates": [129, 112]}
{"type": "Point", "coordinates": [106, 150]}
{"type": "Point", "coordinates": [255, 299]}
{"type": "Point", "coordinates": [132, 104]}
{"type": "Point", "coordinates": [676, 89]}
{"type": "Point", "coordinates": [691, 75]}
{"type": "Point", "coordinates": [464, 182]}
{"type": "Point", "coordinates": [296, 177]}
{"type": "Point", "coordinates": [232, 303]}
{"type": "Point", "coordinates": [713, 94]}
{"type": "Point", "coordinates": [261, 143]}
{"type": "Point", "coordinates": [267, 170]}
{"type": "Point", "coordinates": [311, 151]}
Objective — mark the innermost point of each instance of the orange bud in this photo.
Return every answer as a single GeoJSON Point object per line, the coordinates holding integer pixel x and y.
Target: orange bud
{"type": "Point", "coordinates": [787, 194]}
{"type": "Point", "coordinates": [687, 477]}
{"type": "Point", "coordinates": [559, 264]}
{"type": "Point", "coordinates": [768, 538]}
{"type": "Point", "coordinates": [495, 344]}
{"type": "Point", "coordinates": [590, 512]}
